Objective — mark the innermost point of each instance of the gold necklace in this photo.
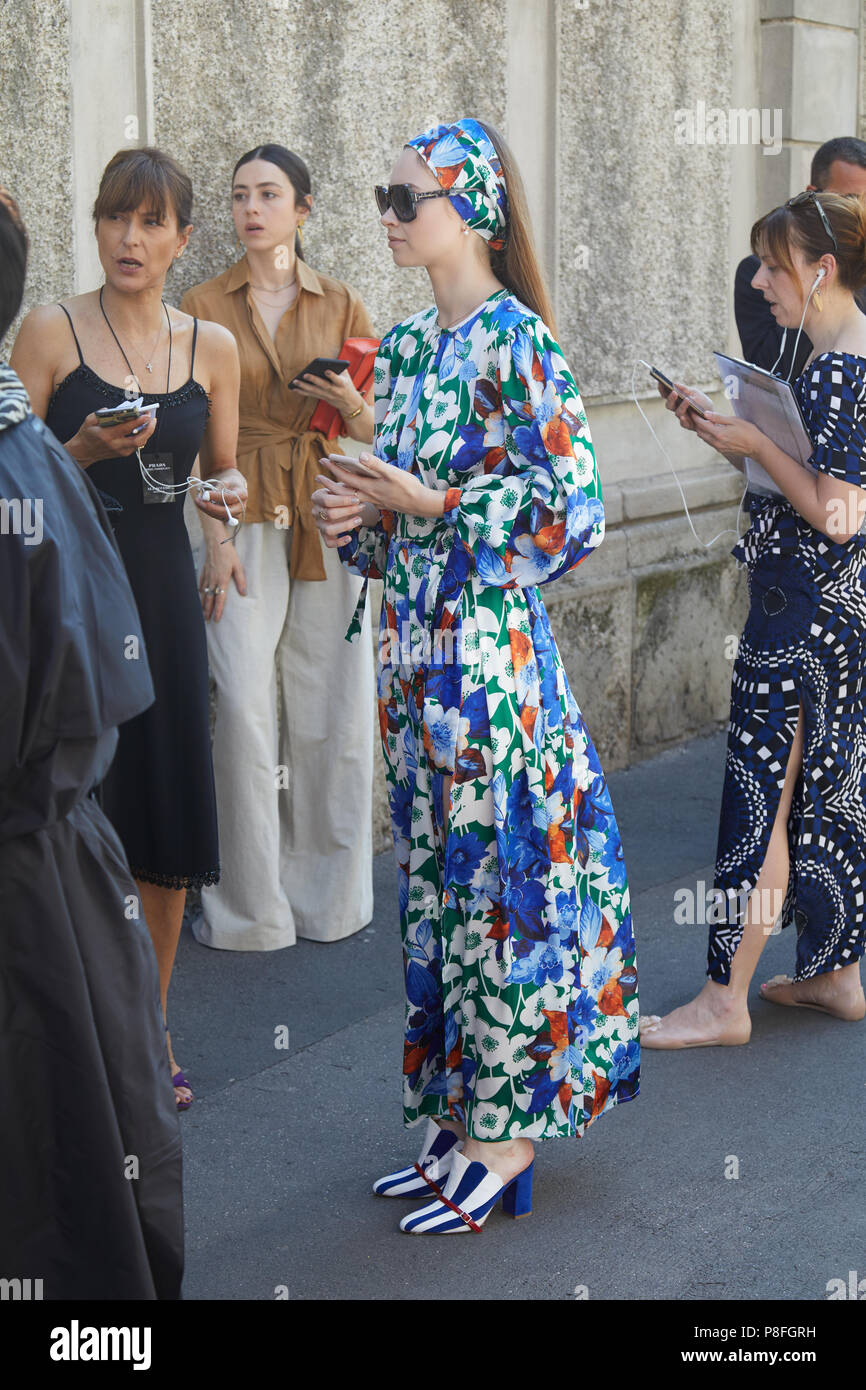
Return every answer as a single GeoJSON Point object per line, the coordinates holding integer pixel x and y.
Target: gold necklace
{"type": "Point", "coordinates": [265, 289]}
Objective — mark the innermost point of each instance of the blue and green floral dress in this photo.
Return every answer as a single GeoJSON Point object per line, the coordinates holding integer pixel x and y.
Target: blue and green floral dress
{"type": "Point", "coordinates": [519, 955]}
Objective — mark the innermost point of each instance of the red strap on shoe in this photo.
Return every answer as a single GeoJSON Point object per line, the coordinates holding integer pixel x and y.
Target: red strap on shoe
{"type": "Point", "coordinates": [462, 1214]}
{"type": "Point", "coordinates": [429, 1181]}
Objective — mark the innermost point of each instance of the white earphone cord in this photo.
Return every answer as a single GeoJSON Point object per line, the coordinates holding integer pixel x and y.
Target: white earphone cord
{"type": "Point", "coordinates": [728, 531]}
{"type": "Point", "coordinates": [640, 363]}
{"type": "Point", "coordinates": [207, 486]}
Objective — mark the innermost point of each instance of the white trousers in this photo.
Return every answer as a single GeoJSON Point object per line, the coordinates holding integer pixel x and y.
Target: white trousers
{"type": "Point", "coordinates": [294, 796]}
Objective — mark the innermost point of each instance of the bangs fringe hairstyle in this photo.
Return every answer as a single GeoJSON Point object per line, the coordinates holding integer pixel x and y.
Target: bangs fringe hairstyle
{"type": "Point", "coordinates": [776, 232]}
{"type": "Point", "coordinates": [517, 264]}
{"type": "Point", "coordinates": [294, 169]}
{"type": "Point", "coordinates": [148, 178]}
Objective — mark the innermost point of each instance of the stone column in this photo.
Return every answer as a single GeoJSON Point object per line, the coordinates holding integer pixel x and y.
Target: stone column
{"type": "Point", "coordinates": [532, 120]}
{"type": "Point", "coordinates": [112, 108]}
{"type": "Point", "coordinates": [810, 65]}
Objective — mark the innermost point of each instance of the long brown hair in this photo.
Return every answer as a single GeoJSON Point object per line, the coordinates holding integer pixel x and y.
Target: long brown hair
{"type": "Point", "coordinates": [517, 264]}
{"type": "Point", "coordinates": [776, 232]}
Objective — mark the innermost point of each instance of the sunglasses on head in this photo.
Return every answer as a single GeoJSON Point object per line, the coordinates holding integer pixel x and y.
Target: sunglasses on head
{"type": "Point", "coordinates": [811, 197]}
{"type": "Point", "coordinates": [402, 199]}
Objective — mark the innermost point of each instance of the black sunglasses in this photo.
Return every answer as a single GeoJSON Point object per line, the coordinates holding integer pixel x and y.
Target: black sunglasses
{"type": "Point", "coordinates": [402, 199]}
{"type": "Point", "coordinates": [811, 197]}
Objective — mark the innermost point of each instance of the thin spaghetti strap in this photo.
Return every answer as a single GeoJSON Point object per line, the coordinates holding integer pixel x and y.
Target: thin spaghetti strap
{"type": "Point", "coordinates": [74, 334]}
{"type": "Point", "coordinates": [194, 335]}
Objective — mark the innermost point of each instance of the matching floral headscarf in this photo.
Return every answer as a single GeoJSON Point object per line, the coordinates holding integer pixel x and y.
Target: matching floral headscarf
{"type": "Point", "coordinates": [464, 161]}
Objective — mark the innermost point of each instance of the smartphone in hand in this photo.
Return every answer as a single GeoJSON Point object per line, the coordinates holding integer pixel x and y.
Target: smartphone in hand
{"type": "Point", "coordinates": [319, 367]}
{"type": "Point", "coordinates": [666, 382]}
{"type": "Point", "coordinates": [352, 465]}
{"type": "Point", "coordinates": [120, 414]}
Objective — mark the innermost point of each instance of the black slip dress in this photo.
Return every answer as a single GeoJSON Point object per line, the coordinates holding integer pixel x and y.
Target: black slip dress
{"type": "Point", "coordinates": [159, 792]}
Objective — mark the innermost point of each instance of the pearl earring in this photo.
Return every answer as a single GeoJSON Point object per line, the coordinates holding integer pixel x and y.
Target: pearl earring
{"type": "Point", "coordinates": [465, 228]}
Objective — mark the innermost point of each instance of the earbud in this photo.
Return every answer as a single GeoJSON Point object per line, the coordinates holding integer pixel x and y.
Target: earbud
{"type": "Point", "coordinates": [820, 276]}
{"type": "Point", "coordinates": [207, 490]}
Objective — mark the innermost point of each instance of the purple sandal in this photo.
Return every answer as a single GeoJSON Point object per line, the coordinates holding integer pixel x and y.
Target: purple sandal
{"type": "Point", "coordinates": [180, 1080]}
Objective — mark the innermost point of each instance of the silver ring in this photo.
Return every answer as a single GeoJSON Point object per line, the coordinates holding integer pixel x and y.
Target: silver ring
{"type": "Point", "coordinates": [207, 591]}
{"type": "Point", "coordinates": [218, 590]}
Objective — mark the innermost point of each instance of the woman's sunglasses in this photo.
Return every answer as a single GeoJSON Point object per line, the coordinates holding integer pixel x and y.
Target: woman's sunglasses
{"type": "Point", "coordinates": [402, 199]}
{"type": "Point", "coordinates": [810, 197]}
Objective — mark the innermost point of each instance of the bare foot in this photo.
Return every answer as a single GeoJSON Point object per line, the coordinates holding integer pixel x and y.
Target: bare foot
{"type": "Point", "coordinates": [505, 1159]}
{"type": "Point", "coordinates": [456, 1126]}
{"type": "Point", "coordinates": [836, 992]}
{"type": "Point", "coordinates": [714, 1018]}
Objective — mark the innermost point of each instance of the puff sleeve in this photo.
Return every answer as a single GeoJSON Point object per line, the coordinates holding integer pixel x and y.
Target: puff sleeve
{"type": "Point", "coordinates": [538, 513]}
{"type": "Point", "coordinates": [836, 403]}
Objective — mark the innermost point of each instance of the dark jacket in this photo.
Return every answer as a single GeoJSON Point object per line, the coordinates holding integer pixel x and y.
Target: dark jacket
{"type": "Point", "coordinates": [90, 1160]}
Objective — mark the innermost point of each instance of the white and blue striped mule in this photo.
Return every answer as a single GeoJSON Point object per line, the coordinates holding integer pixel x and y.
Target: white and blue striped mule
{"type": "Point", "coordinates": [469, 1195]}
{"type": "Point", "coordinates": [433, 1166]}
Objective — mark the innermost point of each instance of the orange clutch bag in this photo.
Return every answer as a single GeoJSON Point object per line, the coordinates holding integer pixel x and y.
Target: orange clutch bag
{"type": "Point", "coordinates": [360, 353]}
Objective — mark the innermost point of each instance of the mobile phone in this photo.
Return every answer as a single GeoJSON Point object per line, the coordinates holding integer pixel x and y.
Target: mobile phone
{"type": "Point", "coordinates": [320, 365]}
{"type": "Point", "coordinates": [352, 465]}
{"type": "Point", "coordinates": [116, 415]}
{"type": "Point", "coordinates": [120, 414]}
{"type": "Point", "coordinates": [666, 381]}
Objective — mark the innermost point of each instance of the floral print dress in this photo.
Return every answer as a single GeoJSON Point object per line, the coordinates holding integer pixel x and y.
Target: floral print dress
{"type": "Point", "coordinates": [519, 956]}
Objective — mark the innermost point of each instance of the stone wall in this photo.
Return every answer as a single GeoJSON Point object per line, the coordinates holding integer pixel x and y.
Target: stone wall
{"type": "Point", "coordinates": [640, 226]}
{"type": "Point", "coordinates": [341, 83]}
{"type": "Point", "coordinates": [35, 149]}
{"type": "Point", "coordinates": [642, 218]}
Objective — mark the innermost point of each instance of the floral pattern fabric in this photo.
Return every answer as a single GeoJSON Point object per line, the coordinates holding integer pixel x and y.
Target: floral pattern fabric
{"type": "Point", "coordinates": [519, 955]}
{"type": "Point", "coordinates": [463, 158]}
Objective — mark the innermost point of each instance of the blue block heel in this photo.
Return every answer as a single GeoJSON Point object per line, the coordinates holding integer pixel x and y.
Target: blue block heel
{"type": "Point", "coordinates": [517, 1197]}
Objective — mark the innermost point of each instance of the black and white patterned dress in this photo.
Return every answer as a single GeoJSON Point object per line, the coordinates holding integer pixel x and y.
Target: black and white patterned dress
{"type": "Point", "coordinates": [803, 643]}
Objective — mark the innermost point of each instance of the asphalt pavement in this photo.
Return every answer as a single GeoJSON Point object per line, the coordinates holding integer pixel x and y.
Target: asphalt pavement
{"type": "Point", "coordinates": [737, 1173]}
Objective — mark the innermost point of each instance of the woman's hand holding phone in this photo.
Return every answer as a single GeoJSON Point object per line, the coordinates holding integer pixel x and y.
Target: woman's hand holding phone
{"type": "Point", "coordinates": [337, 388]}
{"type": "Point", "coordinates": [391, 489]}
{"type": "Point", "coordinates": [681, 401]}
{"type": "Point", "coordinates": [93, 441]}
{"type": "Point", "coordinates": [734, 439]}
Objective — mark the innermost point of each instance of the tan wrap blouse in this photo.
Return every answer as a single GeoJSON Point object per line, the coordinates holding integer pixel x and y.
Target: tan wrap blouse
{"type": "Point", "coordinates": [278, 454]}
